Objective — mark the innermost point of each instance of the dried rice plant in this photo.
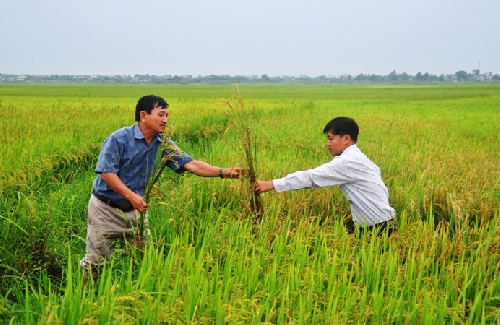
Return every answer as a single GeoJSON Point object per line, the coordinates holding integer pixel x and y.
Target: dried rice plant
{"type": "Point", "coordinates": [244, 121]}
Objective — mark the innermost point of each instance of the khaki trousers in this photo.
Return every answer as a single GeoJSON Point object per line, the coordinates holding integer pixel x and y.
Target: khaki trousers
{"type": "Point", "coordinates": [108, 228]}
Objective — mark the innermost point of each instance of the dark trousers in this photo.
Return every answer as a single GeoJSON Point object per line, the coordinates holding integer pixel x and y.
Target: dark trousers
{"type": "Point", "coordinates": [379, 229]}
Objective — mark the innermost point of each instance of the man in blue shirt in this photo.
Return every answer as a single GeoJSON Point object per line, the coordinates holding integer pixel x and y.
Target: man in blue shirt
{"type": "Point", "coordinates": [123, 169]}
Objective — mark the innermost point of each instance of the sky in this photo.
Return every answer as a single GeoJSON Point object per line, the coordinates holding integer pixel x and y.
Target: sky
{"type": "Point", "coordinates": [242, 37]}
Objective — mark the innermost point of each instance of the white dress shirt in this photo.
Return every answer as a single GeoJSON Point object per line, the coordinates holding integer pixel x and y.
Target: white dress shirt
{"type": "Point", "coordinates": [360, 181]}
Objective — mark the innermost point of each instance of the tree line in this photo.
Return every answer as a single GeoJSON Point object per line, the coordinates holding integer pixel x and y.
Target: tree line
{"type": "Point", "coordinates": [459, 76]}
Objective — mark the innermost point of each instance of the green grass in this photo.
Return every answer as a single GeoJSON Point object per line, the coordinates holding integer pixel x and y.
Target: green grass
{"type": "Point", "coordinates": [206, 261]}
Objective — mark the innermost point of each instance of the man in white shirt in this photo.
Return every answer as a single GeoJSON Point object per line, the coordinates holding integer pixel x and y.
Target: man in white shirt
{"type": "Point", "coordinates": [358, 177]}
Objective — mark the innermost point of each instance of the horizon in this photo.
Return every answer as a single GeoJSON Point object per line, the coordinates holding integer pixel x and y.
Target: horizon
{"type": "Point", "coordinates": [472, 72]}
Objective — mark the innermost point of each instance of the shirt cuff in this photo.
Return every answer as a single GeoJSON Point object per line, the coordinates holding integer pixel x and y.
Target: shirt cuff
{"type": "Point", "coordinates": [279, 185]}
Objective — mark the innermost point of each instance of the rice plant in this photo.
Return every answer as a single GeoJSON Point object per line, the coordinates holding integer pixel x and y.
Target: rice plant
{"type": "Point", "coordinates": [206, 264]}
{"type": "Point", "coordinates": [245, 119]}
{"type": "Point", "coordinates": [167, 152]}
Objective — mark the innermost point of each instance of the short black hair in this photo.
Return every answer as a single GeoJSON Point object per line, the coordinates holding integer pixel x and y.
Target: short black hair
{"type": "Point", "coordinates": [148, 103]}
{"type": "Point", "coordinates": [342, 126]}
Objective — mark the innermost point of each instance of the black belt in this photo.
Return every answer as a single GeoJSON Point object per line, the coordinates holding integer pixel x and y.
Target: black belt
{"type": "Point", "coordinates": [124, 208]}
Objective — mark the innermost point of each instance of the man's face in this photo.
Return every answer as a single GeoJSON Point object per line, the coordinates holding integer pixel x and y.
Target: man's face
{"type": "Point", "coordinates": [157, 120]}
{"type": "Point", "coordinates": [337, 143]}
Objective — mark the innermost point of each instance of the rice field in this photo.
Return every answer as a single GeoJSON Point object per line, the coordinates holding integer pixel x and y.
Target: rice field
{"type": "Point", "coordinates": [207, 261]}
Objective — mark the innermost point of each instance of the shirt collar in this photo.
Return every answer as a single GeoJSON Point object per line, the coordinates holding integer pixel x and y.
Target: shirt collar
{"type": "Point", "coordinates": [139, 135]}
{"type": "Point", "coordinates": [350, 148]}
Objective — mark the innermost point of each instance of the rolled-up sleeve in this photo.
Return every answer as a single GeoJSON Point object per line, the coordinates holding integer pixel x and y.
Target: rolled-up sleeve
{"type": "Point", "coordinates": [176, 158]}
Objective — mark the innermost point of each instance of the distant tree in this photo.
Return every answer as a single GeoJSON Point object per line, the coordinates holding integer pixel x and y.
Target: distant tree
{"type": "Point", "coordinates": [393, 76]}
{"type": "Point", "coordinates": [404, 76]}
{"type": "Point", "coordinates": [462, 75]}
{"type": "Point", "coordinates": [265, 77]}
{"type": "Point", "coordinates": [361, 77]}
{"type": "Point", "coordinates": [176, 79]}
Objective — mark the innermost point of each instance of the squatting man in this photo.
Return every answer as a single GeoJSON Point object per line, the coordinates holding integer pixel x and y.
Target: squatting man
{"type": "Point", "coordinates": [358, 177]}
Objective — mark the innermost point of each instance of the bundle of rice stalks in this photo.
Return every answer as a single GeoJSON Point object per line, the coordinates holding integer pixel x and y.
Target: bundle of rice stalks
{"type": "Point", "coordinates": [244, 121]}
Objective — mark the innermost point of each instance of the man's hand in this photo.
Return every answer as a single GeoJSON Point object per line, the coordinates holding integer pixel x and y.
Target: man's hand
{"type": "Point", "coordinates": [235, 172]}
{"type": "Point", "coordinates": [117, 185]}
{"type": "Point", "coordinates": [263, 186]}
{"type": "Point", "coordinates": [138, 203]}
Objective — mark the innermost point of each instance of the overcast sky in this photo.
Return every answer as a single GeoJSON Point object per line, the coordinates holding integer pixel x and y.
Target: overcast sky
{"type": "Point", "coordinates": [223, 37]}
